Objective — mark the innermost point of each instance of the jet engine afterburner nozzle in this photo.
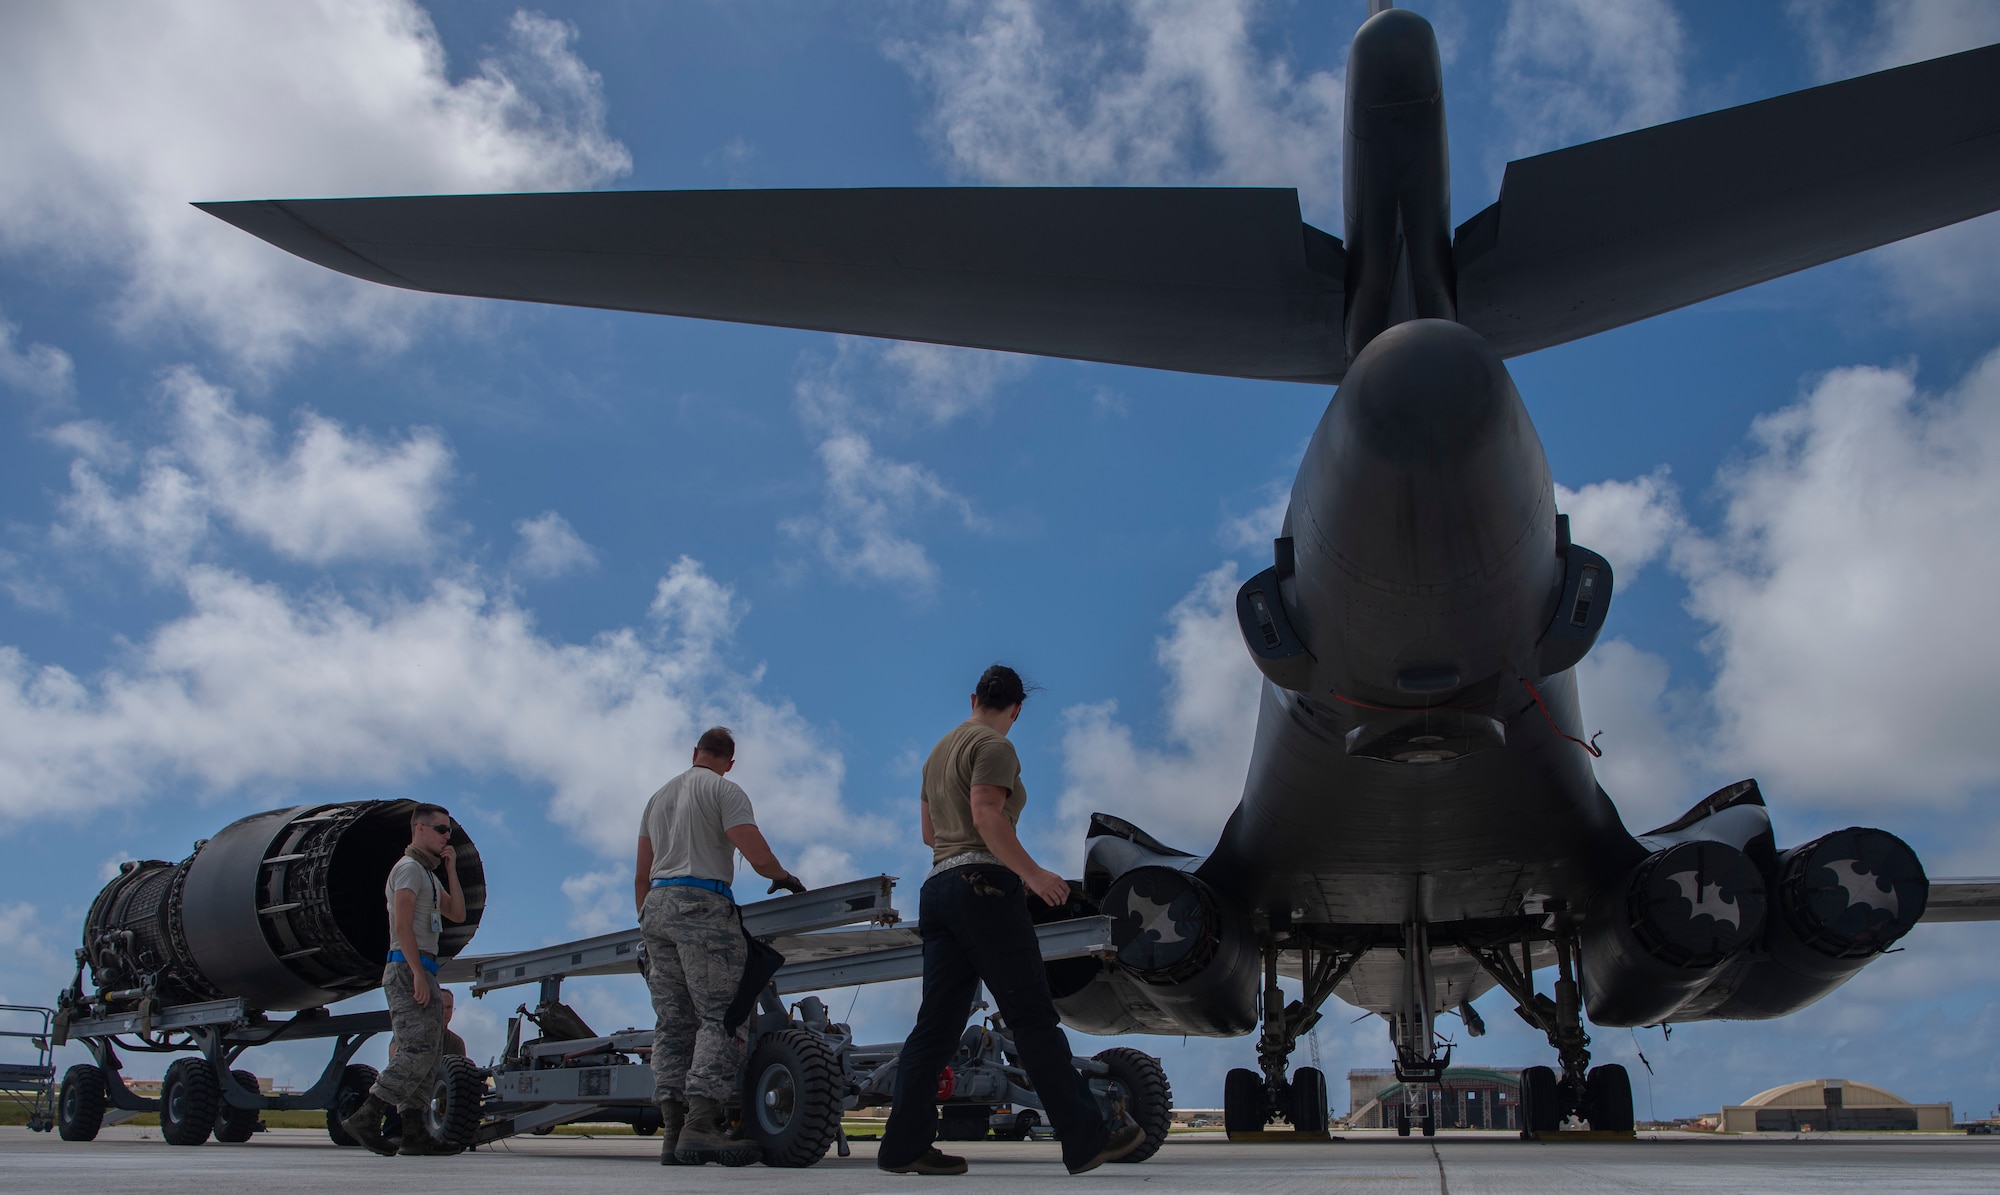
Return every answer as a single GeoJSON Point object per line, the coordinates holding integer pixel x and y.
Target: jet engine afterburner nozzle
{"type": "Point", "coordinates": [1852, 893]}
{"type": "Point", "coordinates": [1660, 936]}
{"type": "Point", "coordinates": [283, 910]}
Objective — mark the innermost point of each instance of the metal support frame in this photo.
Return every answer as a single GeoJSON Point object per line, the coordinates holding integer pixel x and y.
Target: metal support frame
{"type": "Point", "coordinates": [220, 1031]}
{"type": "Point", "coordinates": [1560, 1018]}
{"type": "Point", "coordinates": [1321, 968]}
{"type": "Point", "coordinates": [618, 953]}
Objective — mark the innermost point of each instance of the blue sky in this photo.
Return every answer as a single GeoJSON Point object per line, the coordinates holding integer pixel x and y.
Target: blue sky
{"type": "Point", "coordinates": [270, 536]}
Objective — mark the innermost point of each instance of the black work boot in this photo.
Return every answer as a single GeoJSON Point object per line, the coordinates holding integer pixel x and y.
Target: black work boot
{"type": "Point", "coordinates": [673, 1114]}
{"type": "Point", "coordinates": [417, 1139]}
{"type": "Point", "coordinates": [705, 1137]}
{"type": "Point", "coordinates": [364, 1124]}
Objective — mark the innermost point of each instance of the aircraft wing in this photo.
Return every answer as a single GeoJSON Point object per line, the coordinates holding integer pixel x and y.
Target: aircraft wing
{"type": "Point", "coordinates": [1607, 233]}
{"type": "Point", "coordinates": [1202, 280]}
{"type": "Point", "coordinates": [1964, 899]}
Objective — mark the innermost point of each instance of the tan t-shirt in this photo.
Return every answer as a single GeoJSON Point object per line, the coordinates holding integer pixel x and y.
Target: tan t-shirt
{"type": "Point", "coordinates": [408, 873]}
{"type": "Point", "coordinates": [689, 820]}
{"type": "Point", "coordinates": [971, 754]}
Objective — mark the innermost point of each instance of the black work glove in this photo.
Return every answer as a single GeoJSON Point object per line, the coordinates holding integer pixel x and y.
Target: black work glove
{"type": "Point", "coordinates": [788, 882]}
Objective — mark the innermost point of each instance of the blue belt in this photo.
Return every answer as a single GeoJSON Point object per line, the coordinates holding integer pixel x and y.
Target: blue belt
{"type": "Point", "coordinates": [429, 961]}
{"type": "Point", "coordinates": [716, 886]}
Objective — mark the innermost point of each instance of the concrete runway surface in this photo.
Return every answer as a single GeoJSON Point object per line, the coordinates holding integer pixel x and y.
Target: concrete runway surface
{"type": "Point", "coordinates": [298, 1160]}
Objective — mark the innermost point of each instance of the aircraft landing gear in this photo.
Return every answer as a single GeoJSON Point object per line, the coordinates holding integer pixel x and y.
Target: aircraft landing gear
{"type": "Point", "coordinates": [1600, 1095]}
{"type": "Point", "coordinates": [1252, 1099]}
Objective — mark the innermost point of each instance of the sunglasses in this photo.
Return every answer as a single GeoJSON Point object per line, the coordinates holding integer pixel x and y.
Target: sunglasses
{"type": "Point", "coordinates": [444, 829]}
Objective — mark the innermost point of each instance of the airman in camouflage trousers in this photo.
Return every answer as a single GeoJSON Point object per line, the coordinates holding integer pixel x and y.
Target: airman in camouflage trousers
{"type": "Point", "coordinates": [413, 1067]}
{"type": "Point", "coordinates": [695, 958]}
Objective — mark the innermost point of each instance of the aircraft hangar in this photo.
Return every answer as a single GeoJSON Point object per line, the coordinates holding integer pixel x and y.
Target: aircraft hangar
{"type": "Point", "coordinates": [1831, 1105]}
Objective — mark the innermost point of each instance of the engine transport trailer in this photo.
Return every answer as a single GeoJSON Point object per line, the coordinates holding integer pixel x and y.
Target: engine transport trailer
{"type": "Point", "coordinates": [281, 912]}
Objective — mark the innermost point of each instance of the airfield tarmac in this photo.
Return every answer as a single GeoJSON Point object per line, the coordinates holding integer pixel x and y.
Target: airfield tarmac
{"type": "Point", "coordinates": [136, 1161]}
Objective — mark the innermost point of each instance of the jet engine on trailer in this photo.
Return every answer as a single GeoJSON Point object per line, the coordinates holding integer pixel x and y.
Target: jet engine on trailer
{"type": "Point", "coordinates": [282, 910]}
{"type": "Point", "coordinates": [279, 912]}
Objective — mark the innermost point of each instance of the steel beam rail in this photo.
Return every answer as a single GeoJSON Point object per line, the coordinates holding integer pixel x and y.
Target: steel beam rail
{"type": "Point", "coordinates": [1059, 940]}
{"type": "Point", "coordinates": [617, 953]}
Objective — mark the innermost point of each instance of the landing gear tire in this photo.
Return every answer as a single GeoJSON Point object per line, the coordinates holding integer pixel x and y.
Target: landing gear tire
{"type": "Point", "coordinates": [791, 1107]}
{"type": "Point", "coordinates": [81, 1103]}
{"type": "Point", "coordinates": [456, 1103]}
{"type": "Point", "coordinates": [1541, 1107]}
{"type": "Point", "coordinates": [1430, 1122]}
{"type": "Point", "coordinates": [355, 1082]}
{"type": "Point", "coordinates": [235, 1125]}
{"type": "Point", "coordinates": [1608, 1090]}
{"type": "Point", "coordinates": [1149, 1101]}
{"type": "Point", "coordinates": [1243, 1101]}
{"type": "Point", "coordinates": [1309, 1111]}
{"type": "Point", "coordinates": [190, 1096]}
{"type": "Point", "coordinates": [1402, 1120]}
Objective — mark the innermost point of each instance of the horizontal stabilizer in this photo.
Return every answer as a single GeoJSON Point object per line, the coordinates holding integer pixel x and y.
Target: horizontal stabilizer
{"type": "Point", "coordinates": [1202, 280]}
{"type": "Point", "coordinates": [1964, 899]}
{"type": "Point", "coordinates": [1607, 233]}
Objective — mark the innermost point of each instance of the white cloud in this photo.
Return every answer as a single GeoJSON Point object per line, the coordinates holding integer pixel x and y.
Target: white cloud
{"type": "Point", "coordinates": [1183, 790]}
{"type": "Point", "coordinates": [1651, 765]}
{"type": "Point", "coordinates": [1942, 275]}
{"type": "Point", "coordinates": [1569, 71]}
{"type": "Point", "coordinates": [1850, 590]}
{"type": "Point", "coordinates": [27, 586]}
{"type": "Point", "coordinates": [332, 496]}
{"type": "Point", "coordinates": [255, 687]}
{"type": "Point", "coordinates": [115, 116]}
{"type": "Point", "coordinates": [35, 970]}
{"type": "Point", "coordinates": [1845, 39]}
{"type": "Point", "coordinates": [1629, 523]}
{"type": "Point", "coordinates": [1144, 92]}
{"type": "Point", "coordinates": [1259, 527]}
{"type": "Point", "coordinates": [599, 901]}
{"type": "Point", "coordinates": [551, 547]}
{"type": "Point", "coordinates": [42, 371]}
{"type": "Point", "coordinates": [870, 502]}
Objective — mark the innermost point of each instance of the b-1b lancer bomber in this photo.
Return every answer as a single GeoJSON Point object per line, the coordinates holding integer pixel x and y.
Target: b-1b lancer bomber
{"type": "Point", "coordinates": [1420, 822]}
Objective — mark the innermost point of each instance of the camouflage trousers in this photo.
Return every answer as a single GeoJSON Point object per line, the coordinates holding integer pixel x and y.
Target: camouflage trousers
{"type": "Point", "coordinates": [695, 957]}
{"type": "Point", "coordinates": [418, 1031]}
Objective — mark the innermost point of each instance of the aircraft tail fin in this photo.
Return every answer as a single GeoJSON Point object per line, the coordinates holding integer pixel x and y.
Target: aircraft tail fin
{"type": "Point", "coordinates": [1610, 232]}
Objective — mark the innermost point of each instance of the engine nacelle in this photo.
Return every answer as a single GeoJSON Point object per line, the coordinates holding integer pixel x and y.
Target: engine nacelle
{"type": "Point", "coordinates": [1186, 962]}
{"type": "Point", "coordinates": [1841, 900]}
{"type": "Point", "coordinates": [1665, 932]}
{"type": "Point", "coordinates": [283, 910]}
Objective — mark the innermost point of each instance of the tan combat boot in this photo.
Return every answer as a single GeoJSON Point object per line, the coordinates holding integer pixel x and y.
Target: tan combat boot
{"type": "Point", "coordinates": [364, 1124]}
{"type": "Point", "coordinates": [673, 1114]}
{"type": "Point", "coordinates": [705, 1137]}
{"type": "Point", "coordinates": [417, 1139]}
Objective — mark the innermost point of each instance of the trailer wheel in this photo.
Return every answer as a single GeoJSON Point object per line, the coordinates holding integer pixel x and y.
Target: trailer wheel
{"type": "Point", "coordinates": [233, 1124]}
{"type": "Point", "coordinates": [190, 1096]}
{"type": "Point", "coordinates": [456, 1103]}
{"type": "Point", "coordinates": [355, 1083]}
{"type": "Point", "coordinates": [1148, 1098]}
{"type": "Point", "coordinates": [1023, 1127]}
{"type": "Point", "coordinates": [80, 1106]}
{"type": "Point", "coordinates": [791, 1101]}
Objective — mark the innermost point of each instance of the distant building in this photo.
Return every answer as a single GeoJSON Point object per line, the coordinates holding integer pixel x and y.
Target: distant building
{"type": "Point", "coordinates": [1831, 1105]}
{"type": "Point", "coordinates": [1471, 1097]}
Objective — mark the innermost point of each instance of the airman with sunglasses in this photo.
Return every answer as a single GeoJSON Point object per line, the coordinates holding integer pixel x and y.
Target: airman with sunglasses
{"type": "Point", "coordinates": [418, 907]}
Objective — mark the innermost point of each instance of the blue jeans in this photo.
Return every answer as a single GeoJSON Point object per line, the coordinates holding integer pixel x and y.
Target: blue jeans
{"type": "Point", "coordinates": [975, 927]}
